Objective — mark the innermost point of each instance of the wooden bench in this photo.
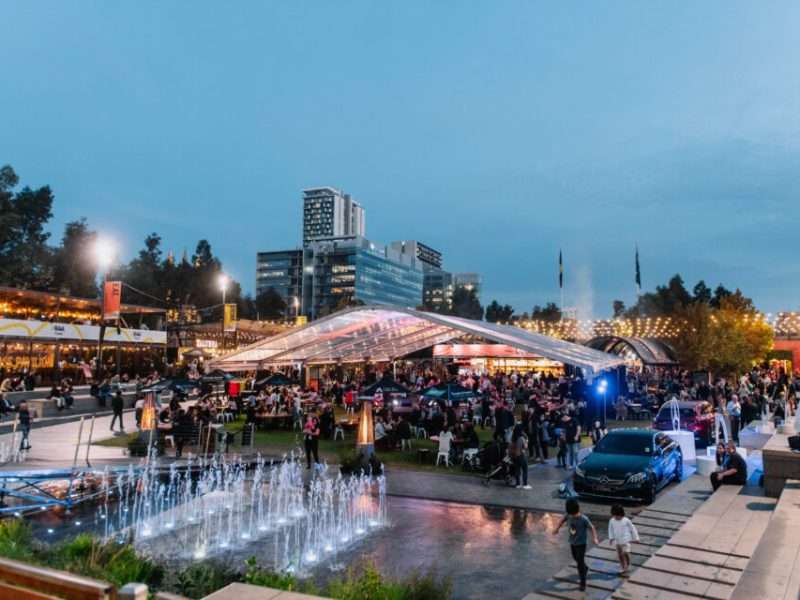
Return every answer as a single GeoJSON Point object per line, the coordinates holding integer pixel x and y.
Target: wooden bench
{"type": "Point", "coordinates": [706, 557]}
{"type": "Point", "coordinates": [774, 570]}
{"type": "Point", "coordinates": [23, 581]}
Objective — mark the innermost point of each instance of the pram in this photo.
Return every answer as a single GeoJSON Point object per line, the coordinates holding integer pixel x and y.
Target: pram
{"type": "Point", "coordinates": [496, 462]}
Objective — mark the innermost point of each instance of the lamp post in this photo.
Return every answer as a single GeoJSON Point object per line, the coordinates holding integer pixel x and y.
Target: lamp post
{"type": "Point", "coordinates": [104, 255]}
{"type": "Point", "coordinates": [296, 302]}
{"type": "Point", "coordinates": [223, 285]}
{"type": "Point", "coordinates": [602, 386]}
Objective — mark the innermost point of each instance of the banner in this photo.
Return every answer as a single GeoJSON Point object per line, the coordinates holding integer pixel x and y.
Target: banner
{"type": "Point", "coordinates": [230, 318]}
{"type": "Point", "coordinates": [44, 330]}
{"type": "Point", "coordinates": [112, 295]}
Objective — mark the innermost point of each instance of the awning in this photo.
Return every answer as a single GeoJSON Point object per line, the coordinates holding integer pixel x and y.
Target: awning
{"type": "Point", "coordinates": [381, 334]}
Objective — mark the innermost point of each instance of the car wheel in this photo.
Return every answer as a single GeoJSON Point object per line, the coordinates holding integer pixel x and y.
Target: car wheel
{"type": "Point", "coordinates": [679, 469]}
{"type": "Point", "coordinates": [649, 494]}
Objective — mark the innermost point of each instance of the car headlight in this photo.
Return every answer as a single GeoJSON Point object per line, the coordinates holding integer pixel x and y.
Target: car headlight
{"type": "Point", "coordinates": [579, 472]}
{"type": "Point", "coordinates": [638, 477]}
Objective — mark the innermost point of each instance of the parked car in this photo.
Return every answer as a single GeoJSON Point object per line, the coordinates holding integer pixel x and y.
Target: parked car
{"type": "Point", "coordinates": [629, 464]}
{"type": "Point", "coordinates": [694, 417]}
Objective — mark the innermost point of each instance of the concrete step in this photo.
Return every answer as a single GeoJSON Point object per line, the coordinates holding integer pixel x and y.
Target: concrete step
{"type": "Point", "coordinates": [662, 516]}
{"type": "Point", "coordinates": [566, 590]}
{"type": "Point", "coordinates": [610, 555]}
{"type": "Point", "coordinates": [703, 557]}
{"type": "Point", "coordinates": [680, 583]}
{"type": "Point", "coordinates": [692, 569]}
{"type": "Point", "coordinates": [595, 579]}
{"type": "Point", "coordinates": [656, 523]}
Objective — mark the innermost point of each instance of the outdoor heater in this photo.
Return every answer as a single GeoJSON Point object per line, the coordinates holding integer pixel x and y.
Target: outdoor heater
{"type": "Point", "coordinates": [365, 440]}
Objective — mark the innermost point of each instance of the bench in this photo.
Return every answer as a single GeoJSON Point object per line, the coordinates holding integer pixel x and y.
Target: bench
{"type": "Point", "coordinates": [774, 570]}
{"type": "Point", "coordinates": [82, 404]}
{"type": "Point", "coordinates": [25, 581]}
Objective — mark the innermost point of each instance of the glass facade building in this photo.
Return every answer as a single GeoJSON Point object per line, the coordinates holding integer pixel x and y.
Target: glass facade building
{"type": "Point", "coordinates": [281, 271]}
{"type": "Point", "coordinates": [339, 273]}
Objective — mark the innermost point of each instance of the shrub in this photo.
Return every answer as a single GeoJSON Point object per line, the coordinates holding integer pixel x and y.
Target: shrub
{"type": "Point", "coordinates": [199, 580]}
{"type": "Point", "coordinates": [16, 541]}
{"type": "Point", "coordinates": [369, 584]}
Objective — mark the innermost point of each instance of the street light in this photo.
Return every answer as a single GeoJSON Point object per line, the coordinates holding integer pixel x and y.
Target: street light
{"type": "Point", "coordinates": [104, 252]}
{"type": "Point", "coordinates": [296, 302]}
{"type": "Point", "coordinates": [223, 285]}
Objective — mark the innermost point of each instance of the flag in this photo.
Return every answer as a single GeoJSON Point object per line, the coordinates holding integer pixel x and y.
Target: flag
{"type": "Point", "coordinates": [560, 270]}
{"type": "Point", "coordinates": [638, 273]}
{"type": "Point", "coordinates": [112, 295]}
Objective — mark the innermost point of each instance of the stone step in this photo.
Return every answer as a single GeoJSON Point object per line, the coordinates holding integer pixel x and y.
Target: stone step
{"type": "Point", "coordinates": [594, 579]}
{"type": "Point", "coordinates": [610, 567]}
{"type": "Point", "coordinates": [657, 523]}
{"type": "Point", "coordinates": [703, 557]}
{"type": "Point", "coordinates": [610, 555]}
{"type": "Point", "coordinates": [661, 516]}
{"type": "Point", "coordinates": [569, 591]}
{"type": "Point", "coordinates": [633, 591]}
{"type": "Point", "coordinates": [664, 534]}
{"type": "Point", "coordinates": [672, 512]}
{"type": "Point", "coordinates": [693, 569]}
{"type": "Point", "coordinates": [680, 583]}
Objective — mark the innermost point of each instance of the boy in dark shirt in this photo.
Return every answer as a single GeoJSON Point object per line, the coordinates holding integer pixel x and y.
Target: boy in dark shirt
{"type": "Point", "coordinates": [579, 528]}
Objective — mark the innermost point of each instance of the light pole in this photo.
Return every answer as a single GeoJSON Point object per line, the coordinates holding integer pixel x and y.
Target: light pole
{"type": "Point", "coordinates": [104, 255]}
{"type": "Point", "coordinates": [602, 386]}
{"type": "Point", "coordinates": [296, 302]}
{"type": "Point", "coordinates": [223, 285]}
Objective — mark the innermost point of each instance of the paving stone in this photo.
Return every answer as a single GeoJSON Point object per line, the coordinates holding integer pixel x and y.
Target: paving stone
{"type": "Point", "coordinates": [657, 523]}
{"type": "Point", "coordinates": [693, 569]}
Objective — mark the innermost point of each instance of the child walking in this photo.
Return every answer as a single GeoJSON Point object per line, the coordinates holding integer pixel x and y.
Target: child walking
{"type": "Point", "coordinates": [579, 528]}
{"type": "Point", "coordinates": [621, 532]}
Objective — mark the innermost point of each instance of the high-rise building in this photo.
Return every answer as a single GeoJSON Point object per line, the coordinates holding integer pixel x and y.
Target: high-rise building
{"type": "Point", "coordinates": [283, 272]}
{"type": "Point", "coordinates": [437, 290]}
{"type": "Point", "coordinates": [330, 213]}
{"type": "Point", "coordinates": [343, 271]}
{"type": "Point", "coordinates": [430, 258]}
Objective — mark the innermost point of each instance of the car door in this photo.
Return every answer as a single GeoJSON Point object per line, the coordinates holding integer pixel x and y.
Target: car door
{"type": "Point", "coordinates": [666, 456]}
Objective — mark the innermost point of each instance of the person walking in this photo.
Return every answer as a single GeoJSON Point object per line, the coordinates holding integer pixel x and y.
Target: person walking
{"type": "Point", "coordinates": [579, 528]}
{"type": "Point", "coordinates": [311, 436]}
{"type": "Point", "coordinates": [25, 420]}
{"type": "Point", "coordinates": [117, 404]}
{"type": "Point", "coordinates": [572, 431]}
{"type": "Point", "coordinates": [621, 532]}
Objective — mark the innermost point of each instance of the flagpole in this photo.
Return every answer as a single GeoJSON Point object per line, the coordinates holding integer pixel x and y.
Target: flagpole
{"type": "Point", "coordinates": [561, 281]}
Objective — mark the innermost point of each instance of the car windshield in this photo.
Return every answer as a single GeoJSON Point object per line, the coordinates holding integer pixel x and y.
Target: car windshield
{"type": "Point", "coordinates": [625, 444]}
{"type": "Point", "coordinates": [666, 413]}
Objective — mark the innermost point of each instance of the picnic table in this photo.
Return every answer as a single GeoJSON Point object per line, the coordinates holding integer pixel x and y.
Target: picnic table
{"type": "Point", "coordinates": [262, 420]}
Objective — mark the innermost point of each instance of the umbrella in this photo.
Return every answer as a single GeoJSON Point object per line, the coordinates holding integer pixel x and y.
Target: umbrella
{"type": "Point", "coordinates": [387, 385]}
{"type": "Point", "coordinates": [273, 380]}
{"type": "Point", "coordinates": [216, 376]}
{"type": "Point", "coordinates": [451, 392]}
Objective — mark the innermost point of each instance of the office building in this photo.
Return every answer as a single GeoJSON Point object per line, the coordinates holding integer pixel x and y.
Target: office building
{"type": "Point", "coordinates": [329, 213]}
{"type": "Point", "coordinates": [430, 258]}
{"type": "Point", "coordinates": [437, 290]}
{"type": "Point", "coordinates": [283, 272]}
{"type": "Point", "coordinates": [339, 272]}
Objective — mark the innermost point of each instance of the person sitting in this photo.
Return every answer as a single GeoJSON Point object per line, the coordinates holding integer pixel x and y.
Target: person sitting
{"type": "Point", "coordinates": [66, 393]}
{"type": "Point", "coordinates": [55, 396]}
{"type": "Point", "coordinates": [733, 470]}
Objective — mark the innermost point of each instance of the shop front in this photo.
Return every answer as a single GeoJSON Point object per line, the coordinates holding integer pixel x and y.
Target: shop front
{"type": "Point", "coordinates": [496, 358]}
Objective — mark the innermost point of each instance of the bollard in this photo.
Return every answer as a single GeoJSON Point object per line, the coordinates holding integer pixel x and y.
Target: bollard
{"type": "Point", "coordinates": [133, 591]}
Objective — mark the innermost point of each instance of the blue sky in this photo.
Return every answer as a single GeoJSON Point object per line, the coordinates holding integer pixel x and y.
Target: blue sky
{"type": "Point", "coordinates": [497, 132]}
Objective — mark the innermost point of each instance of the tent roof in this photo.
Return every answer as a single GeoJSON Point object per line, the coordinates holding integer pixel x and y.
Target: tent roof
{"type": "Point", "coordinates": [379, 333]}
{"type": "Point", "coordinates": [650, 351]}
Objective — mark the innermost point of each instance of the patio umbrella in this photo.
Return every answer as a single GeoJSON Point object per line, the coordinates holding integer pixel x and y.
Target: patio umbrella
{"type": "Point", "coordinates": [275, 379]}
{"type": "Point", "coordinates": [451, 392]}
{"type": "Point", "coordinates": [387, 385]}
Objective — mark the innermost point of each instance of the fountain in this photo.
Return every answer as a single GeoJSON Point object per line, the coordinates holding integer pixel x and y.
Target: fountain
{"type": "Point", "coordinates": [684, 438]}
{"type": "Point", "coordinates": [217, 505]}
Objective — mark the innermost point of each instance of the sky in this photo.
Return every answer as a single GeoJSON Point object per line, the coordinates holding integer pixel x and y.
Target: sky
{"type": "Point", "coordinates": [497, 132]}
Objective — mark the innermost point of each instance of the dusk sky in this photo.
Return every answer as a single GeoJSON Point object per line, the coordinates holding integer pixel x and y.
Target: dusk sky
{"type": "Point", "coordinates": [496, 132]}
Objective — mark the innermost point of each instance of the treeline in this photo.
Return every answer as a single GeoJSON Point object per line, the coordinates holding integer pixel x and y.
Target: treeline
{"type": "Point", "coordinates": [30, 260]}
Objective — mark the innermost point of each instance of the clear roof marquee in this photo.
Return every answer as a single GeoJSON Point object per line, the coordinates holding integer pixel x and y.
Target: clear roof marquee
{"type": "Point", "coordinates": [384, 334]}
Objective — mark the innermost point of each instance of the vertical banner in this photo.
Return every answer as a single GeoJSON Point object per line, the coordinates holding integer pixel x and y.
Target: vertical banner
{"type": "Point", "coordinates": [112, 295]}
{"type": "Point", "coordinates": [229, 323]}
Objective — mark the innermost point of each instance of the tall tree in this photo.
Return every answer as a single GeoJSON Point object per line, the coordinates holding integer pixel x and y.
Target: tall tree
{"type": "Point", "coordinates": [619, 308]}
{"type": "Point", "coordinates": [701, 292]}
{"type": "Point", "coordinates": [74, 268]}
{"type": "Point", "coordinates": [497, 312]}
{"type": "Point", "coordinates": [270, 304]}
{"type": "Point", "coordinates": [720, 293]}
{"type": "Point", "coordinates": [466, 304]}
{"type": "Point", "coordinates": [25, 258]}
{"type": "Point", "coordinates": [548, 312]}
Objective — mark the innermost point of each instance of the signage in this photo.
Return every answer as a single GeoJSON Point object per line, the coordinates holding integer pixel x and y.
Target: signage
{"type": "Point", "coordinates": [44, 330]}
{"type": "Point", "coordinates": [112, 296]}
{"type": "Point", "coordinates": [229, 323]}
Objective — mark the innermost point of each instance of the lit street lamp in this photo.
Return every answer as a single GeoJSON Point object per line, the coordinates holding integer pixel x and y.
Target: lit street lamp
{"type": "Point", "coordinates": [104, 252]}
{"type": "Point", "coordinates": [223, 285]}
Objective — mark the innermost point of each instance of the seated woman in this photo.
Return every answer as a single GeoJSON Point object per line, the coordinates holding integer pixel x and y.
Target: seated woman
{"type": "Point", "coordinates": [55, 396]}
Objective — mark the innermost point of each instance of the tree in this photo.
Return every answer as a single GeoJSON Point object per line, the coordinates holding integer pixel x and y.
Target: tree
{"type": "Point", "coordinates": [666, 300]}
{"type": "Point", "coordinates": [25, 258]}
{"type": "Point", "coordinates": [619, 308]}
{"type": "Point", "coordinates": [548, 312]}
{"type": "Point", "coordinates": [719, 295]}
{"type": "Point", "coordinates": [466, 304]}
{"type": "Point", "coordinates": [497, 312]}
{"type": "Point", "coordinates": [74, 267]}
{"type": "Point", "coordinates": [270, 304]}
{"type": "Point", "coordinates": [701, 292]}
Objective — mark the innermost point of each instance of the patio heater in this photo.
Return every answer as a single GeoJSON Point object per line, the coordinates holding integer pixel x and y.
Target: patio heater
{"type": "Point", "coordinates": [365, 440]}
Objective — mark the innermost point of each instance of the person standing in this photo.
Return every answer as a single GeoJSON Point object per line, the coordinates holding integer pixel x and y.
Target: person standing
{"type": "Point", "coordinates": [517, 450]}
{"type": "Point", "coordinates": [25, 420]}
{"type": "Point", "coordinates": [734, 409]}
{"type": "Point", "coordinates": [579, 528]}
{"type": "Point", "coordinates": [572, 431]}
{"type": "Point", "coordinates": [117, 405]}
{"type": "Point", "coordinates": [311, 436]}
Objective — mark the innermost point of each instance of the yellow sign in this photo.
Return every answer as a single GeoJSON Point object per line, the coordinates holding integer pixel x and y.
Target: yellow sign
{"type": "Point", "coordinates": [230, 318]}
{"type": "Point", "coordinates": [301, 320]}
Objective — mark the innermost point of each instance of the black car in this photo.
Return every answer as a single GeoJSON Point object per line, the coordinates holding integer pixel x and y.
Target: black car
{"type": "Point", "coordinates": [630, 464]}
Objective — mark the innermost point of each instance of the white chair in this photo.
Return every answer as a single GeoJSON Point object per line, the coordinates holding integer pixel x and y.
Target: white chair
{"type": "Point", "coordinates": [444, 450]}
{"type": "Point", "coordinates": [477, 419]}
{"type": "Point", "coordinates": [469, 454]}
{"type": "Point", "coordinates": [338, 432]}
{"type": "Point", "coordinates": [421, 433]}
{"type": "Point", "coordinates": [171, 439]}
